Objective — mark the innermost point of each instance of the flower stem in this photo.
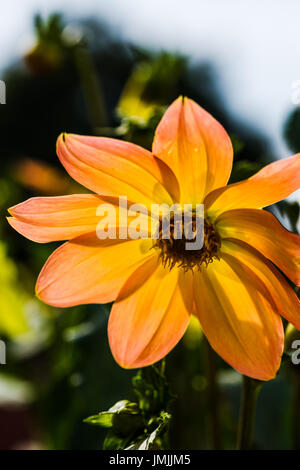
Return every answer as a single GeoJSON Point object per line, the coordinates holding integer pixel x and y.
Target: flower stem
{"type": "Point", "coordinates": [212, 395]}
{"type": "Point", "coordinates": [250, 391]}
{"type": "Point", "coordinates": [296, 411]}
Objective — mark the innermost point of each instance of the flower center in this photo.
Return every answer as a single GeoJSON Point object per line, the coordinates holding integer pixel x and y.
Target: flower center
{"type": "Point", "coordinates": [176, 250]}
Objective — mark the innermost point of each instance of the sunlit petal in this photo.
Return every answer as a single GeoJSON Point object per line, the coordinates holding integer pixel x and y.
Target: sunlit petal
{"type": "Point", "coordinates": [285, 300]}
{"type": "Point", "coordinates": [271, 184]}
{"type": "Point", "coordinates": [196, 147]}
{"type": "Point", "coordinates": [88, 270]}
{"type": "Point", "coordinates": [238, 319]}
{"type": "Point", "coordinates": [263, 231]}
{"type": "Point", "coordinates": [146, 324]}
{"type": "Point", "coordinates": [46, 219]}
{"type": "Point", "coordinates": [111, 167]}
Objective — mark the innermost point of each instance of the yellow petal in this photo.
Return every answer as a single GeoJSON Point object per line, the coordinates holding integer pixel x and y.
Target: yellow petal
{"type": "Point", "coordinates": [262, 230]}
{"type": "Point", "coordinates": [47, 219]}
{"type": "Point", "coordinates": [196, 147]}
{"type": "Point", "coordinates": [146, 323]}
{"type": "Point", "coordinates": [285, 300]}
{"type": "Point", "coordinates": [111, 167]}
{"type": "Point", "coordinates": [238, 319]}
{"type": "Point", "coordinates": [271, 184]}
{"type": "Point", "coordinates": [88, 270]}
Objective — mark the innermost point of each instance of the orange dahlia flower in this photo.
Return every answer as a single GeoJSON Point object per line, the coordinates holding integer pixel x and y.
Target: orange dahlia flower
{"type": "Point", "coordinates": [231, 284]}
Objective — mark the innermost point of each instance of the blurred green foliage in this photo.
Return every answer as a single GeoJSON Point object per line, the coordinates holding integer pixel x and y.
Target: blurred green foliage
{"type": "Point", "coordinates": [11, 298]}
{"type": "Point", "coordinates": [142, 424]}
{"type": "Point", "coordinates": [292, 130]}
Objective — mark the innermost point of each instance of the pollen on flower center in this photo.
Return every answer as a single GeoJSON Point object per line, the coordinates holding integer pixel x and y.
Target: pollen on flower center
{"type": "Point", "coordinates": [173, 250]}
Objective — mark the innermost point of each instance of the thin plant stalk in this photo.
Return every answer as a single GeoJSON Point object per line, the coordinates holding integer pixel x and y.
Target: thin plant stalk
{"type": "Point", "coordinates": [212, 396]}
{"type": "Point", "coordinates": [250, 392]}
{"type": "Point", "coordinates": [296, 411]}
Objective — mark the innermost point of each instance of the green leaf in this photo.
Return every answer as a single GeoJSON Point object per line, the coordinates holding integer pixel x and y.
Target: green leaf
{"type": "Point", "coordinates": [115, 442]}
{"type": "Point", "coordinates": [151, 439]}
{"type": "Point", "coordinates": [152, 389]}
{"type": "Point", "coordinates": [127, 419]}
{"type": "Point", "coordinates": [103, 419]}
{"type": "Point", "coordinates": [124, 417]}
{"type": "Point", "coordinates": [141, 425]}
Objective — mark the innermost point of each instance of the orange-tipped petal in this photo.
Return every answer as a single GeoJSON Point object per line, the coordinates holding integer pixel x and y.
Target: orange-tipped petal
{"type": "Point", "coordinates": [196, 147]}
{"type": "Point", "coordinates": [262, 230]}
{"type": "Point", "coordinates": [47, 219]}
{"type": "Point", "coordinates": [238, 319]}
{"type": "Point", "coordinates": [286, 302]}
{"type": "Point", "coordinates": [111, 167]}
{"type": "Point", "coordinates": [269, 185]}
{"type": "Point", "coordinates": [88, 270]}
{"type": "Point", "coordinates": [146, 323]}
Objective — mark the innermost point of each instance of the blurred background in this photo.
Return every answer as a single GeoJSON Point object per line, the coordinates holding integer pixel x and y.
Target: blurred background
{"type": "Point", "coordinates": [110, 68]}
